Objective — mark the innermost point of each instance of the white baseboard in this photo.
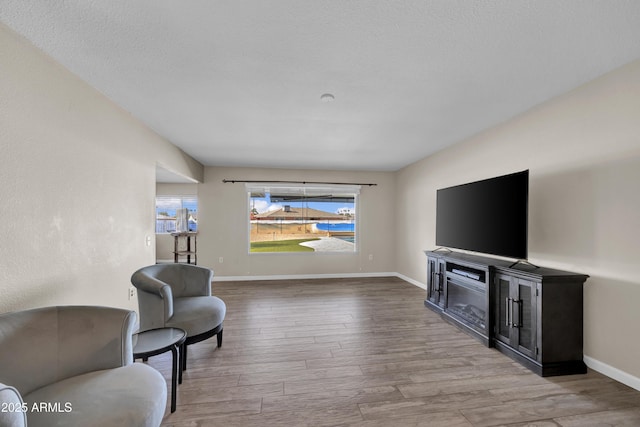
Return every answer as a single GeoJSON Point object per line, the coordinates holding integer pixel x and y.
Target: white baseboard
{"type": "Point", "coordinates": [310, 276]}
{"type": "Point", "coordinates": [319, 276]}
{"type": "Point", "coordinates": [611, 372]}
{"type": "Point", "coordinates": [410, 280]}
{"type": "Point", "coordinates": [302, 276]}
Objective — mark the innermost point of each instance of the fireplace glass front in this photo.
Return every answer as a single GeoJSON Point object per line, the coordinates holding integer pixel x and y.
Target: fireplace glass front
{"type": "Point", "coordinates": [467, 304]}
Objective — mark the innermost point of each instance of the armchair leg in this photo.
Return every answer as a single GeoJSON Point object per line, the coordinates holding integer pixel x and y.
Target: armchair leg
{"type": "Point", "coordinates": [200, 337]}
{"type": "Point", "coordinates": [219, 337]}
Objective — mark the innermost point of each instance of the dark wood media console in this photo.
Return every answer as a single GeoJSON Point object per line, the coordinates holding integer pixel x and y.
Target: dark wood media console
{"type": "Point", "coordinates": [531, 314]}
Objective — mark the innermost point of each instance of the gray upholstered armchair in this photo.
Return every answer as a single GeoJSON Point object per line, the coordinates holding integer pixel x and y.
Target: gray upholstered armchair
{"type": "Point", "coordinates": [179, 296]}
{"type": "Point", "coordinates": [73, 366]}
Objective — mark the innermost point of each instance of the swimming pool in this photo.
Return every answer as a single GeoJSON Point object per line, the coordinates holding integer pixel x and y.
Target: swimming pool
{"type": "Point", "coordinates": [344, 227]}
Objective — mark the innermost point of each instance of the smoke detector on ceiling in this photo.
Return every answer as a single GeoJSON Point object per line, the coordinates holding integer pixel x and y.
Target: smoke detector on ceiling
{"type": "Point", "coordinates": [327, 97]}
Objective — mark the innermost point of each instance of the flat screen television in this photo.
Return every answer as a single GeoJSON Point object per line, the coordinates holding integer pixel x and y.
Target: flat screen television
{"type": "Point", "coordinates": [488, 216]}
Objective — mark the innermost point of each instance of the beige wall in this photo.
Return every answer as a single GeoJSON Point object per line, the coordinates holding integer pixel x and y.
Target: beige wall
{"type": "Point", "coordinates": [77, 186]}
{"type": "Point", "coordinates": [583, 153]}
{"type": "Point", "coordinates": [223, 226]}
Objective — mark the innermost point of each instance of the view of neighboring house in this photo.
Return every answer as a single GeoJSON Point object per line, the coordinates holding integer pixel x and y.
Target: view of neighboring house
{"type": "Point", "coordinates": [289, 213]}
{"type": "Point", "coordinates": [291, 223]}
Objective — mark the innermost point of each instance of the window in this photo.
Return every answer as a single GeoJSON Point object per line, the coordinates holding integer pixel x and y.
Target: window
{"type": "Point", "coordinates": [302, 218]}
{"type": "Point", "coordinates": [168, 213]}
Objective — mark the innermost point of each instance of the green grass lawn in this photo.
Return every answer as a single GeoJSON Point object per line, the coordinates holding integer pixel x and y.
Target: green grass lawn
{"type": "Point", "coordinates": [281, 246]}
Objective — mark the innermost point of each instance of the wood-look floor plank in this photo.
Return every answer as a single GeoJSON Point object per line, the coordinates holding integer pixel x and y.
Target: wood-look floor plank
{"type": "Point", "coordinates": [203, 368]}
{"type": "Point", "coordinates": [424, 363]}
{"type": "Point", "coordinates": [367, 353]}
{"type": "Point", "coordinates": [336, 384]}
{"type": "Point", "coordinates": [440, 403]}
{"type": "Point", "coordinates": [628, 417]}
{"type": "Point", "coordinates": [371, 359]}
{"type": "Point", "coordinates": [211, 392]}
{"type": "Point", "coordinates": [470, 375]}
{"type": "Point", "coordinates": [553, 406]}
{"type": "Point", "coordinates": [298, 375]}
{"type": "Point", "coordinates": [212, 413]}
{"type": "Point", "coordinates": [434, 419]}
{"type": "Point", "coordinates": [466, 384]}
{"type": "Point", "coordinates": [330, 398]}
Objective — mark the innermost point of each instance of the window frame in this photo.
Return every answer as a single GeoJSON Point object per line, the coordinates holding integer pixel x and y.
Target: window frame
{"type": "Point", "coordinates": [185, 199]}
{"type": "Point", "coordinates": [341, 189]}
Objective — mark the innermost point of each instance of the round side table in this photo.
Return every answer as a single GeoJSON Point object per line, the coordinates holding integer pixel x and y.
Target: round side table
{"type": "Point", "coordinates": [157, 341]}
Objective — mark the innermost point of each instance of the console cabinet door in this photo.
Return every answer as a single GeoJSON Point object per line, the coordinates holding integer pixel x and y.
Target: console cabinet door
{"type": "Point", "coordinates": [432, 286]}
{"type": "Point", "coordinates": [442, 280]}
{"type": "Point", "coordinates": [524, 317]}
{"type": "Point", "coordinates": [516, 308]}
{"type": "Point", "coordinates": [503, 329]}
{"type": "Point", "coordinates": [435, 291]}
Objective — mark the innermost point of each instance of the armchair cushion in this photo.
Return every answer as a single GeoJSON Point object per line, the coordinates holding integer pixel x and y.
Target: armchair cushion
{"type": "Point", "coordinates": [112, 397]}
{"type": "Point", "coordinates": [197, 315]}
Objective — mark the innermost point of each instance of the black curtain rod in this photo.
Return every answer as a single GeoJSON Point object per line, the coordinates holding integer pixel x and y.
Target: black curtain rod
{"type": "Point", "coordinates": [233, 181]}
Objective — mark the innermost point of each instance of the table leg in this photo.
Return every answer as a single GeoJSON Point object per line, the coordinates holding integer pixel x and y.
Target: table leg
{"type": "Point", "coordinates": [184, 358]}
{"type": "Point", "coordinates": [181, 364]}
{"type": "Point", "coordinates": [174, 368]}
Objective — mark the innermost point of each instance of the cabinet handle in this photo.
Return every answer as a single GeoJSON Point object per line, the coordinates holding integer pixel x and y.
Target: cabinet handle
{"type": "Point", "coordinates": [507, 311]}
{"type": "Point", "coordinates": [519, 303]}
{"type": "Point", "coordinates": [511, 311]}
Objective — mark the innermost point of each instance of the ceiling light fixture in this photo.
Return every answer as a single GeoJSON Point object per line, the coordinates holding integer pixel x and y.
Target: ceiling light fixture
{"type": "Point", "coordinates": [327, 97]}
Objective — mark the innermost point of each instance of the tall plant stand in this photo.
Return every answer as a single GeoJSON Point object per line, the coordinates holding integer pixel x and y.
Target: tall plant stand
{"type": "Point", "coordinates": [185, 247]}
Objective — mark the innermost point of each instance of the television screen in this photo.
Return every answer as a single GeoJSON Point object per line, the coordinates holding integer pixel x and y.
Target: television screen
{"type": "Point", "coordinates": [488, 216]}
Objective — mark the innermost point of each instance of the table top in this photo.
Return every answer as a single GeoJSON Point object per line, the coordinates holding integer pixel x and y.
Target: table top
{"type": "Point", "coordinates": [156, 341]}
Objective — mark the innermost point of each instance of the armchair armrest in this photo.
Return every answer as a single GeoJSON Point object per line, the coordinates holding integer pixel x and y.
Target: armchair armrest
{"type": "Point", "coordinates": [155, 299]}
{"type": "Point", "coordinates": [142, 280]}
{"type": "Point", "coordinates": [13, 412]}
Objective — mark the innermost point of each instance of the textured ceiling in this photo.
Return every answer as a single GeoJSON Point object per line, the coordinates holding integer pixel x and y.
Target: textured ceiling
{"type": "Point", "coordinates": [238, 83]}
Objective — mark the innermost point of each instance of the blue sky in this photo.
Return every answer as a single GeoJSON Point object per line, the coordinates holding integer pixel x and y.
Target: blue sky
{"type": "Point", "coordinates": [263, 204]}
{"type": "Point", "coordinates": [169, 205]}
